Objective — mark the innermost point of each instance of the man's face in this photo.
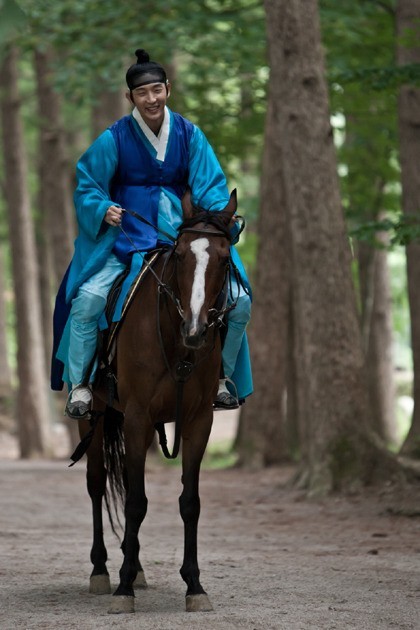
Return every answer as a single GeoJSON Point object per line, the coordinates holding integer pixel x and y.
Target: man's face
{"type": "Point", "coordinates": [150, 100]}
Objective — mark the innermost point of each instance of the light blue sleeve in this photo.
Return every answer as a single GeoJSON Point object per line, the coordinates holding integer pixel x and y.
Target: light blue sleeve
{"type": "Point", "coordinates": [206, 178]}
{"type": "Point", "coordinates": [170, 214]}
{"type": "Point", "coordinates": [94, 172]}
{"type": "Point", "coordinates": [207, 182]}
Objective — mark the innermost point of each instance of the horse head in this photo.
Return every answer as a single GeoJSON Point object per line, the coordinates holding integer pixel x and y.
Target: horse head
{"type": "Point", "coordinates": [202, 260]}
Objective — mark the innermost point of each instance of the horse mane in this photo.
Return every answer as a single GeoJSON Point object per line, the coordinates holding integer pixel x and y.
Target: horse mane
{"type": "Point", "coordinates": [214, 218]}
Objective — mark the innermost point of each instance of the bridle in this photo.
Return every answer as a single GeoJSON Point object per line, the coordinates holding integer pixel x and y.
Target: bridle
{"type": "Point", "coordinates": [216, 315]}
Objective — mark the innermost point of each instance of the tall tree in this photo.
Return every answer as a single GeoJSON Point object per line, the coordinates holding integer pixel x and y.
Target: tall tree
{"type": "Point", "coordinates": [32, 401]}
{"type": "Point", "coordinates": [333, 397]}
{"type": "Point", "coordinates": [262, 436]}
{"type": "Point", "coordinates": [55, 224]}
{"type": "Point", "coordinates": [365, 115]}
{"type": "Point", "coordinates": [54, 189]}
{"type": "Point", "coordinates": [408, 31]}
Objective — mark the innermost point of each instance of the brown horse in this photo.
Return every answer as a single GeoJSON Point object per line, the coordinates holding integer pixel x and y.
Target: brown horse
{"type": "Point", "coordinates": [167, 364]}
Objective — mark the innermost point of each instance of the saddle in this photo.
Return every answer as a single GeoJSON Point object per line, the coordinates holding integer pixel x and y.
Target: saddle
{"type": "Point", "coordinates": [119, 300]}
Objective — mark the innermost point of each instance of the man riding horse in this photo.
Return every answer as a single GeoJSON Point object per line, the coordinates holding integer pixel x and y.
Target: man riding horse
{"type": "Point", "coordinates": [143, 164]}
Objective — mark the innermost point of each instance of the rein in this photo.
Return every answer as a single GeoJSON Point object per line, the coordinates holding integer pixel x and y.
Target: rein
{"type": "Point", "coordinates": [188, 226]}
{"type": "Point", "coordinates": [149, 223]}
{"type": "Point", "coordinates": [162, 286]}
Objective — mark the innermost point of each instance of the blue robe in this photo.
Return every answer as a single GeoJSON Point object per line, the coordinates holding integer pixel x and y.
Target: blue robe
{"type": "Point", "coordinates": [106, 177]}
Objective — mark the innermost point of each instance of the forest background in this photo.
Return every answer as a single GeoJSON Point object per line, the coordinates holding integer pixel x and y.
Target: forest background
{"type": "Point", "coordinates": [314, 112]}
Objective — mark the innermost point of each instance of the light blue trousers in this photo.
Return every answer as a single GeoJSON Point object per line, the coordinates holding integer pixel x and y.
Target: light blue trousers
{"type": "Point", "coordinates": [237, 321]}
{"type": "Point", "coordinates": [86, 310]}
{"type": "Point", "coordinates": [89, 304]}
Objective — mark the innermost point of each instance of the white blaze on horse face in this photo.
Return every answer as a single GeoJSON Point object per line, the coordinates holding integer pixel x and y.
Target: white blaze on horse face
{"type": "Point", "coordinates": [198, 291]}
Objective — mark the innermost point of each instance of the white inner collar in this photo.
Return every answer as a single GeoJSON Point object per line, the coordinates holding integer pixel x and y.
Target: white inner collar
{"type": "Point", "coordinates": [159, 142]}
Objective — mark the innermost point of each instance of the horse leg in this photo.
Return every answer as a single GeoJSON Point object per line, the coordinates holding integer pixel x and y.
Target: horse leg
{"type": "Point", "coordinates": [140, 581]}
{"type": "Point", "coordinates": [96, 483]}
{"type": "Point", "coordinates": [193, 448]}
{"type": "Point", "coordinates": [137, 441]}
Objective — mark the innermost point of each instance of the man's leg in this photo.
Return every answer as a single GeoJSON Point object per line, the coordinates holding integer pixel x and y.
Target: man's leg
{"type": "Point", "coordinates": [87, 308]}
{"type": "Point", "coordinates": [237, 321]}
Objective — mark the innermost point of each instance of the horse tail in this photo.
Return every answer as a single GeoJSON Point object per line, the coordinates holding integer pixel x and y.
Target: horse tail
{"type": "Point", "coordinates": [114, 458]}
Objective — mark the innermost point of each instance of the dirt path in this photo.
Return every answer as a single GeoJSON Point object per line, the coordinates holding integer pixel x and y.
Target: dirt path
{"type": "Point", "coordinates": [268, 558]}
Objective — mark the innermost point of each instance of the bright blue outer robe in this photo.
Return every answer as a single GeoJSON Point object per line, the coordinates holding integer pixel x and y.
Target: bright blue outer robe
{"type": "Point", "coordinates": [106, 177]}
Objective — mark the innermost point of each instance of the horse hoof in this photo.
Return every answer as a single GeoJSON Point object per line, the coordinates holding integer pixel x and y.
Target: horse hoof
{"type": "Point", "coordinates": [198, 603]}
{"type": "Point", "coordinates": [121, 604]}
{"type": "Point", "coordinates": [140, 581]}
{"type": "Point", "coordinates": [100, 585]}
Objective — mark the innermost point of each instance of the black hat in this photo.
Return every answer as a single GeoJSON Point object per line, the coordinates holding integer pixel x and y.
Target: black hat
{"type": "Point", "coordinates": [144, 71]}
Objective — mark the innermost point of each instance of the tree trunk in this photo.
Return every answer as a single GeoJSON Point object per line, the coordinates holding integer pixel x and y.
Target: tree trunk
{"type": "Point", "coordinates": [374, 290]}
{"type": "Point", "coordinates": [5, 372]}
{"type": "Point", "coordinates": [377, 338]}
{"type": "Point", "coordinates": [379, 359]}
{"type": "Point", "coordinates": [32, 401]}
{"type": "Point", "coordinates": [107, 108]}
{"type": "Point", "coordinates": [56, 224]}
{"type": "Point", "coordinates": [45, 286]}
{"type": "Point", "coordinates": [54, 189]}
{"type": "Point", "coordinates": [261, 439]}
{"type": "Point", "coordinates": [408, 29]}
{"type": "Point", "coordinates": [366, 268]}
{"type": "Point", "coordinates": [333, 397]}
{"type": "Point", "coordinates": [295, 427]}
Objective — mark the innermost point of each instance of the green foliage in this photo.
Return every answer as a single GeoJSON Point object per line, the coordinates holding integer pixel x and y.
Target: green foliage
{"type": "Point", "coordinates": [360, 42]}
{"type": "Point", "coordinates": [12, 20]}
{"type": "Point", "coordinates": [380, 78]}
{"type": "Point", "coordinates": [364, 79]}
{"type": "Point", "coordinates": [403, 230]}
{"type": "Point", "coordinates": [217, 50]}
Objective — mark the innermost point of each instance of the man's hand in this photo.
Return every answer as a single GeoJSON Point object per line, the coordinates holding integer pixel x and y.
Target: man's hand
{"type": "Point", "coordinates": [113, 216]}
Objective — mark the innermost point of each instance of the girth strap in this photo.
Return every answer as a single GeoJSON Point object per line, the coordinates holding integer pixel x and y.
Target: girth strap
{"type": "Point", "coordinates": [183, 372]}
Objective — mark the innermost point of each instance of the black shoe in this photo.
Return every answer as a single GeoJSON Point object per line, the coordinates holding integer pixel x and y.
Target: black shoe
{"type": "Point", "coordinates": [78, 409]}
{"type": "Point", "coordinates": [224, 400]}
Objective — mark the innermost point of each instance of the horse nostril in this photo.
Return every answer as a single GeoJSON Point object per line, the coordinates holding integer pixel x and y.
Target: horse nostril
{"type": "Point", "coordinates": [193, 336]}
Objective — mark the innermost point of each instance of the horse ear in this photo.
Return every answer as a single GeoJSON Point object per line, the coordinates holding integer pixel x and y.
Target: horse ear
{"type": "Point", "coordinates": [233, 203]}
{"type": "Point", "coordinates": [187, 206]}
